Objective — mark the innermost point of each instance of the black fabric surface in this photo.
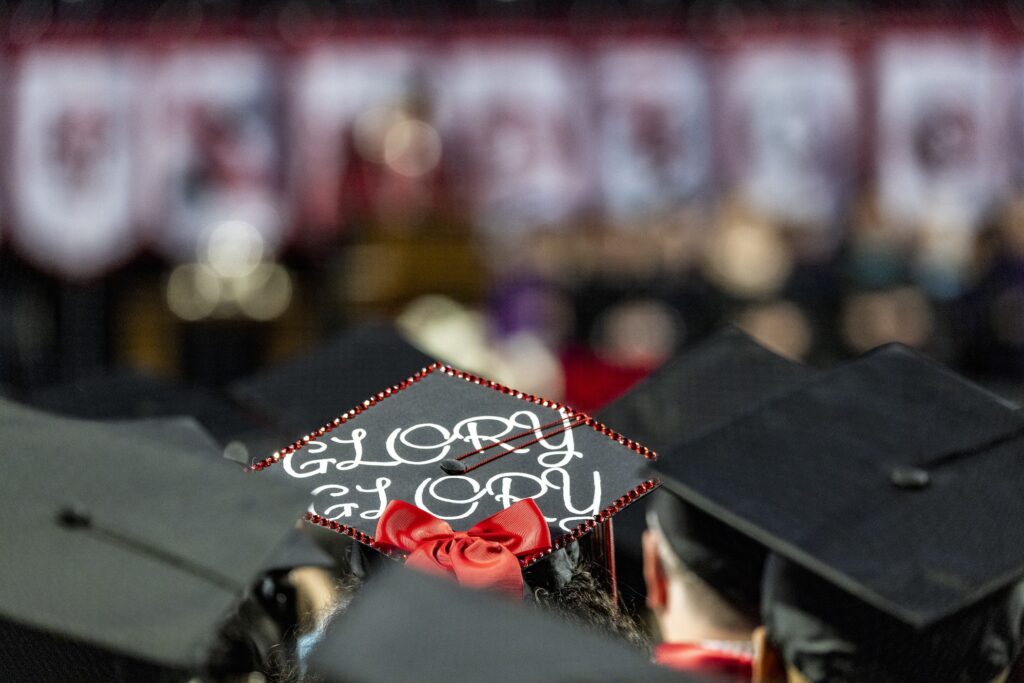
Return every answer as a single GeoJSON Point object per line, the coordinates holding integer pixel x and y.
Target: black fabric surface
{"type": "Point", "coordinates": [712, 381]}
{"type": "Point", "coordinates": [320, 385]}
{"type": "Point", "coordinates": [598, 470]}
{"type": "Point", "coordinates": [811, 475]}
{"type": "Point", "coordinates": [405, 626]}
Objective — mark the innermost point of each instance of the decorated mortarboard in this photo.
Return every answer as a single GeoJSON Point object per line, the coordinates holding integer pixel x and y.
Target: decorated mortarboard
{"type": "Point", "coordinates": [891, 478]}
{"type": "Point", "coordinates": [316, 386]}
{"type": "Point", "coordinates": [446, 456]}
{"type": "Point", "coordinates": [407, 627]}
{"type": "Point", "coordinates": [712, 381]}
{"type": "Point", "coordinates": [123, 551]}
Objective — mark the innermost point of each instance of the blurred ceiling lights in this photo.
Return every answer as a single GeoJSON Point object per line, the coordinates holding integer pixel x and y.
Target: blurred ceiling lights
{"type": "Point", "coordinates": [230, 279]}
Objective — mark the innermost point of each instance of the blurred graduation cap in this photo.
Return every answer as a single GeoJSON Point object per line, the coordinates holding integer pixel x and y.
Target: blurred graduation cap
{"type": "Point", "coordinates": [890, 478]}
{"type": "Point", "coordinates": [183, 432]}
{"type": "Point", "coordinates": [715, 380]}
{"type": "Point", "coordinates": [125, 394]}
{"type": "Point", "coordinates": [463, 451]}
{"type": "Point", "coordinates": [317, 386]}
{"type": "Point", "coordinates": [124, 556]}
{"type": "Point", "coordinates": [404, 626]}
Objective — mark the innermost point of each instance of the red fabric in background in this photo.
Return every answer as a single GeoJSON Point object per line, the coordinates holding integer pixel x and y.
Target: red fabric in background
{"type": "Point", "coordinates": [592, 382]}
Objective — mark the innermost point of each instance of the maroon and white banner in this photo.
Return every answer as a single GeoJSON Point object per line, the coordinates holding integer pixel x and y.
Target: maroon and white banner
{"type": "Point", "coordinates": [655, 128]}
{"type": "Point", "coordinates": [513, 118]}
{"type": "Point", "coordinates": [789, 129]}
{"type": "Point", "coordinates": [212, 148]}
{"type": "Point", "coordinates": [353, 108]}
{"type": "Point", "coordinates": [941, 156]}
{"type": "Point", "coordinates": [72, 167]}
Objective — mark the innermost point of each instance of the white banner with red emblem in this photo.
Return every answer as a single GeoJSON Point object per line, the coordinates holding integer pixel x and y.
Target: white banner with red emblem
{"type": "Point", "coordinates": [940, 152]}
{"type": "Point", "coordinates": [788, 129]}
{"type": "Point", "coordinates": [352, 106]}
{"type": "Point", "coordinates": [654, 130]}
{"type": "Point", "coordinates": [515, 116]}
{"type": "Point", "coordinates": [72, 170]}
{"type": "Point", "coordinates": [212, 146]}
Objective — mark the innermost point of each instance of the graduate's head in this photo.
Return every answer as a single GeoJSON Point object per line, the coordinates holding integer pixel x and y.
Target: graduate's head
{"type": "Point", "coordinates": [815, 632]}
{"type": "Point", "coordinates": [456, 475]}
{"type": "Point", "coordinates": [703, 578]}
{"type": "Point", "coordinates": [890, 491]}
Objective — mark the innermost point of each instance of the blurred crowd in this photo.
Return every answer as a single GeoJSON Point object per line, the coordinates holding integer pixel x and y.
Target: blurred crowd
{"type": "Point", "coordinates": [203, 202]}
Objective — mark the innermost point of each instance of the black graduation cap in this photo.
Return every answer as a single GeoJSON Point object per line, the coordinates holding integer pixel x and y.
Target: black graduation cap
{"type": "Point", "coordinates": [317, 386]}
{"type": "Point", "coordinates": [126, 394]}
{"type": "Point", "coordinates": [714, 380]}
{"type": "Point", "coordinates": [119, 548]}
{"type": "Point", "coordinates": [404, 626]}
{"type": "Point", "coordinates": [890, 477]}
{"type": "Point", "coordinates": [463, 448]}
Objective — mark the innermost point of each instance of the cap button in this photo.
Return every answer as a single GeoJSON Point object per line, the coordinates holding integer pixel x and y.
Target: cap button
{"type": "Point", "coordinates": [910, 478]}
{"type": "Point", "coordinates": [453, 466]}
{"type": "Point", "coordinates": [74, 517]}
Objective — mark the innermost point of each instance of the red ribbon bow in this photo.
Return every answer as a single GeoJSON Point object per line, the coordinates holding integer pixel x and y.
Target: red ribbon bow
{"type": "Point", "coordinates": [486, 556]}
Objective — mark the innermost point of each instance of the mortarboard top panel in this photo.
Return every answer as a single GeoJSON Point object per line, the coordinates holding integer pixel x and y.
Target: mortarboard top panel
{"type": "Point", "coordinates": [315, 387]}
{"type": "Point", "coordinates": [891, 477]}
{"type": "Point", "coordinates": [717, 379]}
{"type": "Point", "coordinates": [126, 543]}
{"type": "Point", "coordinates": [511, 445]}
{"type": "Point", "coordinates": [404, 626]}
{"type": "Point", "coordinates": [185, 433]}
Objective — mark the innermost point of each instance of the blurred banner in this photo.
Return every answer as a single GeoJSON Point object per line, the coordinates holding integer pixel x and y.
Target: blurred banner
{"type": "Point", "coordinates": [72, 171]}
{"type": "Point", "coordinates": [351, 128]}
{"type": "Point", "coordinates": [655, 128]}
{"type": "Point", "coordinates": [116, 145]}
{"type": "Point", "coordinates": [211, 139]}
{"type": "Point", "coordinates": [514, 115]}
{"type": "Point", "coordinates": [941, 149]}
{"type": "Point", "coordinates": [788, 129]}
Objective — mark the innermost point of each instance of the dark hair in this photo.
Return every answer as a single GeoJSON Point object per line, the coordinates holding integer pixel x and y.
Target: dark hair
{"type": "Point", "coordinates": [562, 584]}
{"type": "Point", "coordinates": [584, 602]}
{"type": "Point", "coordinates": [827, 635]}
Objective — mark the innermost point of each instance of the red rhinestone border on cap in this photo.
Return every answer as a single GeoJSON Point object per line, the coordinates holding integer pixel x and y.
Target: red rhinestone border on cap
{"type": "Point", "coordinates": [579, 531]}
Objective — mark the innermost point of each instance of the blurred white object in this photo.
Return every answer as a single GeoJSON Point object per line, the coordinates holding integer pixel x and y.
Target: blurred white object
{"type": "Point", "coordinates": [637, 334]}
{"type": "Point", "coordinates": [73, 180]}
{"type": "Point", "coordinates": [518, 111]}
{"type": "Point", "coordinates": [211, 143]}
{"type": "Point", "coordinates": [447, 330]}
{"type": "Point", "coordinates": [789, 129]}
{"type": "Point", "coordinates": [655, 128]}
{"type": "Point", "coordinates": [346, 100]}
{"type": "Point", "coordinates": [230, 278]}
{"type": "Point", "coordinates": [941, 129]}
